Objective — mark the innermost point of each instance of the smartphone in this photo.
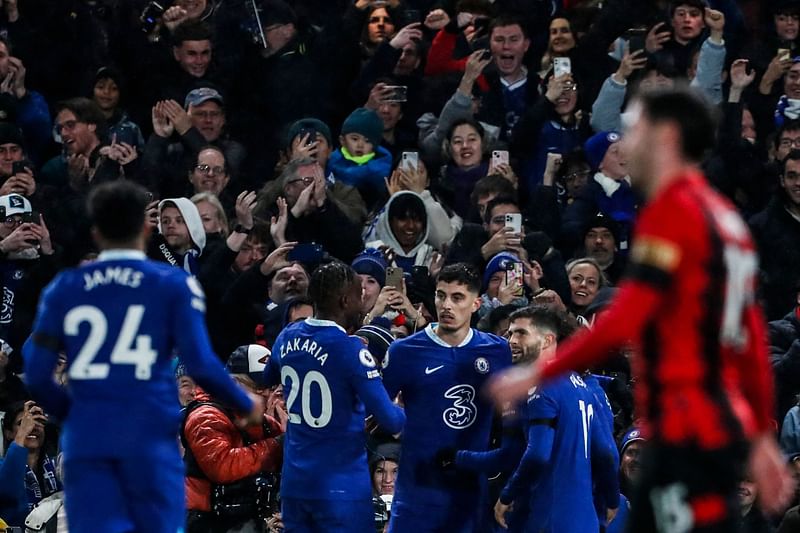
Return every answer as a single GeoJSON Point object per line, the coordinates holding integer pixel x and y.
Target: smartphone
{"type": "Point", "coordinates": [499, 157]}
{"type": "Point", "coordinates": [481, 25]}
{"type": "Point", "coordinates": [409, 161]}
{"type": "Point", "coordinates": [561, 66]}
{"type": "Point", "coordinates": [514, 277]}
{"type": "Point", "coordinates": [32, 218]}
{"type": "Point", "coordinates": [514, 221]}
{"type": "Point", "coordinates": [409, 16]}
{"type": "Point", "coordinates": [312, 135]}
{"type": "Point", "coordinates": [18, 167]}
{"type": "Point", "coordinates": [636, 39]}
{"type": "Point", "coordinates": [125, 134]}
{"type": "Point", "coordinates": [307, 253]}
{"type": "Point", "coordinates": [487, 54]}
{"type": "Point", "coordinates": [784, 54]}
{"type": "Point", "coordinates": [399, 93]}
{"type": "Point", "coordinates": [394, 277]}
{"type": "Point", "coordinates": [420, 272]}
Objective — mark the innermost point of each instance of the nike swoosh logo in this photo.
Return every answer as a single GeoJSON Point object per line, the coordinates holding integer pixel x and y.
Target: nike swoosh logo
{"type": "Point", "coordinates": [432, 370]}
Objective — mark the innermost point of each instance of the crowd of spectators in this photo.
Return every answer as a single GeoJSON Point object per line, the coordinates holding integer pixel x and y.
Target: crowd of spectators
{"type": "Point", "coordinates": [398, 136]}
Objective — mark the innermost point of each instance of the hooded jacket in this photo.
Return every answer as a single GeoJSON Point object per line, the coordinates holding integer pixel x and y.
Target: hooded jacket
{"type": "Point", "coordinates": [381, 234]}
{"type": "Point", "coordinates": [196, 233]}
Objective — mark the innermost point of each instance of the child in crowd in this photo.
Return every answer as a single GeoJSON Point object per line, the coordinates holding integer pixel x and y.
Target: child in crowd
{"type": "Point", "coordinates": [360, 161]}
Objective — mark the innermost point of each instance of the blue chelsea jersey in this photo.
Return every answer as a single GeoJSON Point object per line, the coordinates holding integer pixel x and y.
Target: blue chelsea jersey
{"type": "Point", "coordinates": [441, 386]}
{"type": "Point", "coordinates": [119, 321]}
{"type": "Point", "coordinates": [561, 499]}
{"type": "Point", "coordinates": [328, 377]}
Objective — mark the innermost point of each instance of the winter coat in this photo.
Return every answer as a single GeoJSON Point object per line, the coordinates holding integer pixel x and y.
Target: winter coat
{"type": "Point", "coordinates": [784, 341]}
{"type": "Point", "coordinates": [221, 453]}
{"type": "Point", "coordinates": [777, 234]}
{"type": "Point", "coordinates": [367, 178]}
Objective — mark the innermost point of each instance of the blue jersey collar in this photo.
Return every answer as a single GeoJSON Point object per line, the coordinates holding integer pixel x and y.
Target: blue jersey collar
{"type": "Point", "coordinates": [324, 324]}
{"type": "Point", "coordinates": [430, 331]}
{"type": "Point", "coordinates": [121, 253]}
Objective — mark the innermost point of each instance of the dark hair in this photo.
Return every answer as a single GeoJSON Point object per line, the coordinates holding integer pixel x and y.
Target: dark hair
{"type": "Point", "coordinates": [407, 205]}
{"type": "Point", "coordinates": [294, 303]}
{"type": "Point", "coordinates": [447, 152]}
{"type": "Point", "coordinates": [789, 125]}
{"type": "Point", "coordinates": [490, 322]}
{"type": "Point", "coordinates": [794, 155]}
{"type": "Point", "coordinates": [500, 200]}
{"type": "Point", "coordinates": [493, 183]}
{"type": "Point", "coordinates": [507, 19]}
{"type": "Point", "coordinates": [117, 208]}
{"type": "Point", "coordinates": [11, 413]}
{"type": "Point", "coordinates": [675, 4]}
{"type": "Point", "coordinates": [85, 110]}
{"type": "Point", "coordinates": [689, 113]}
{"type": "Point", "coordinates": [192, 30]}
{"type": "Point", "coordinates": [463, 274]}
{"type": "Point", "coordinates": [460, 122]}
{"type": "Point", "coordinates": [546, 318]}
{"type": "Point", "coordinates": [574, 158]}
{"type": "Point", "coordinates": [260, 232]}
{"type": "Point", "coordinates": [328, 284]}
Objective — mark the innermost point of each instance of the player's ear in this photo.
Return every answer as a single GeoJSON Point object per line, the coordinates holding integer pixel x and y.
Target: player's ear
{"type": "Point", "coordinates": [476, 304]}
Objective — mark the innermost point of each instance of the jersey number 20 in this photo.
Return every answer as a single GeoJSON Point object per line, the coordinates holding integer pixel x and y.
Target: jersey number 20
{"type": "Point", "coordinates": [124, 352]}
{"type": "Point", "coordinates": [311, 378]}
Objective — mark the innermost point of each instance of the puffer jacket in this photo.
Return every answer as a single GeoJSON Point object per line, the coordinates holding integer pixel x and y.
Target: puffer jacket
{"type": "Point", "coordinates": [220, 451]}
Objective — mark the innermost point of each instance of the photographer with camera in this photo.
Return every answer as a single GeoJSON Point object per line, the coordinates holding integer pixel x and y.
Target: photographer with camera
{"type": "Point", "coordinates": [229, 468]}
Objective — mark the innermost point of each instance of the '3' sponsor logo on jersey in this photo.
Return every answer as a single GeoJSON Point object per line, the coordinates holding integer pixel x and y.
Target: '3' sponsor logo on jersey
{"type": "Point", "coordinates": [463, 412]}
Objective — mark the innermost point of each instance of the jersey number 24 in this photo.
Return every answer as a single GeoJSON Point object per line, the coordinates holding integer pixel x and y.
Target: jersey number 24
{"type": "Point", "coordinates": [130, 348]}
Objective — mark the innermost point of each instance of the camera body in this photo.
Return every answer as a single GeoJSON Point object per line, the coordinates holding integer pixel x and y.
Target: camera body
{"type": "Point", "coordinates": [256, 497]}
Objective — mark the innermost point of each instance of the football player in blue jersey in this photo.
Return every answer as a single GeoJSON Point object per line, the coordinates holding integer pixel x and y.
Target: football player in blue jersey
{"type": "Point", "coordinates": [328, 378]}
{"type": "Point", "coordinates": [568, 441]}
{"type": "Point", "coordinates": [439, 372]}
{"type": "Point", "coordinates": [119, 320]}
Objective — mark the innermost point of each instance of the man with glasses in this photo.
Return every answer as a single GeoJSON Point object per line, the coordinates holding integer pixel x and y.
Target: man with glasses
{"type": "Point", "coordinates": [310, 214]}
{"type": "Point", "coordinates": [27, 263]}
{"type": "Point", "coordinates": [200, 123]}
{"type": "Point", "coordinates": [86, 159]}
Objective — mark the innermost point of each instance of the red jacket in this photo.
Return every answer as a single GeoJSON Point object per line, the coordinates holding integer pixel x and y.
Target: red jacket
{"type": "Point", "coordinates": [220, 452]}
{"type": "Point", "coordinates": [440, 58]}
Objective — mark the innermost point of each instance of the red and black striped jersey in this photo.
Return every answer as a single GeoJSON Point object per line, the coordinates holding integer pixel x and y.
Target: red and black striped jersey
{"type": "Point", "coordinates": [688, 304]}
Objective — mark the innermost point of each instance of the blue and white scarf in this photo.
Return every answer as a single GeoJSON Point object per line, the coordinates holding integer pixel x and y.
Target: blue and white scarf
{"type": "Point", "coordinates": [51, 483]}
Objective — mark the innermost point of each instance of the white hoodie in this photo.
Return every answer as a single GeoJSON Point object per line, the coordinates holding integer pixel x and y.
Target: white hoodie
{"type": "Point", "coordinates": [381, 233]}
{"type": "Point", "coordinates": [191, 216]}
